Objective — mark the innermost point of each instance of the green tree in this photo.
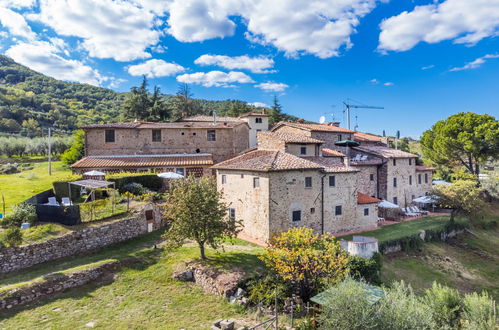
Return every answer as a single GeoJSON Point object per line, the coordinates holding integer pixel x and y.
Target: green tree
{"type": "Point", "coordinates": [275, 112]}
{"type": "Point", "coordinates": [404, 144]}
{"type": "Point", "coordinates": [77, 149]}
{"type": "Point", "coordinates": [136, 105]}
{"type": "Point", "coordinates": [462, 197]}
{"type": "Point", "coordinates": [183, 105]}
{"type": "Point", "coordinates": [197, 213]}
{"type": "Point", "coordinates": [307, 259]}
{"type": "Point", "coordinates": [31, 128]}
{"type": "Point", "coordinates": [465, 139]}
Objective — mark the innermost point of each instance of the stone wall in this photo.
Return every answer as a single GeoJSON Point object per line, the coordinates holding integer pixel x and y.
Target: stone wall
{"type": "Point", "coordinates": [270, 142]}
{"type": "Point", "coordinates": [362, 246]}
{"type": "Point", "coordinates": [365, 184]}
{"type": "Point", "coordinates": [88, 239]}
{"type": "Point", "coordinates": [421, 189]}
{"type": "Point", "coordinates": [52, 284]}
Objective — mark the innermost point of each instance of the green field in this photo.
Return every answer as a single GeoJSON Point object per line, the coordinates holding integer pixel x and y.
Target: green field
{"type": "Point", "coordinates": [140, 296]}
{"type": "Point", "coordinates": [20, 186]}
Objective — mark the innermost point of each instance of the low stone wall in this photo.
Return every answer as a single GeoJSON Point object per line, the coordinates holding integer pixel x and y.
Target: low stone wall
{"type": "Point", "coordinates": [77, 242]}
{"type": "Point", "coordinates": [52, 284]}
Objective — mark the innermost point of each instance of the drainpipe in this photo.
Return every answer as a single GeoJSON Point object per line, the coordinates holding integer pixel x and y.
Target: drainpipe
{"type": "Point", "coordinates": [322, 202]}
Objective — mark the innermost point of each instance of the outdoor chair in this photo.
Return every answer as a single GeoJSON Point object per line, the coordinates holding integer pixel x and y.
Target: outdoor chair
{"type": "Point", "coordinates": [66, 201]}
{"type": "Point", "coordinates": [53, 201]}
{"type": "Point", "coordinates": [408, 212]}
{"type": "Point", "coordinates": [364, 158]}
{"type": "Point", "coordinates": [416, 209]}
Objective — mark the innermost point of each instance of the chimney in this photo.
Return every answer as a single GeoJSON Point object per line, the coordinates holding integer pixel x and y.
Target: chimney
{"type": "Point", "coordinates": [300, 121]}
{"type": "Point", "coordinates": [334, 123]}
{"type": "Point", "coordinates": [346, 159]}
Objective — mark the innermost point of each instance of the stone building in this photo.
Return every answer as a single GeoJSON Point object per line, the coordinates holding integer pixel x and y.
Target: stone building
{"type": "Point", "coordinates": [188, 146]}
{"type": "Point", "coordinates": [287, 182]}
{"type": "Point", "coordinates": [366, 139]}
{"type": "Point", "coordinates": [257, 122]}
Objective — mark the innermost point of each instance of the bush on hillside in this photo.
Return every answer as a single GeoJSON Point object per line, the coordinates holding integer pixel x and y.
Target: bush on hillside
{"type": "Point", "coordinates": [77, 149]}
{"type": "Point", "coordinates": [149, 181]}
{"type": "Point", "coordinates": [479, 311]}
{"type": "Point", "coordinates": [446, 305]}
{"type": "Point", "coordinates": [11, 237]}
{"type": "Point", "coordinates": [365, 269]}
{"type": "Point", "coordinates": [135, 188]}
{"type": "Point", "coordinates": [23, 212]}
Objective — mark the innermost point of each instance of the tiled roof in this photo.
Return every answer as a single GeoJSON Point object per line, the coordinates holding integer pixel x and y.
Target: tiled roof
{"type": "Point", "coordinates": [366, 199]}
{"type": "Point", "coordinates": [326, 152]}
{"type": "Point", "coordinates": [331, 165]}
{"type": "Point", "coordinates": [181, 124]}
{"type": "Point", "coordinates": [368, 162]}
{"type": "Point", "coordinates": [425, 168]}
{"type": "Point", "coordinates": [121, 161]}
{"type": "Point", "coordinates": [385, 152]}
{"type": "Point", "coordinates": [210, 119]}
{"type": "Point", "coordinates": [359, 136]}
{"type": "Point", "coordinates": [254, 114]}
{"type": "Point", "coordinates": [292, 138]}
{"type": "Point", "coordinates": [314, 127]}
{"type": "Point", "coordinates": [267, 160]}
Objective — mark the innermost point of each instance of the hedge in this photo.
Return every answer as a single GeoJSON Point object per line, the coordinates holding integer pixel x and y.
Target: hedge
{"type": "Point", "coordinates": [149, 181]}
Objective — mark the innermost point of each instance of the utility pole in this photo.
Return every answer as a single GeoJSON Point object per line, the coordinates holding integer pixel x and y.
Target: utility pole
{"type": "Point", "coordinates": [49, 153]}
{"type": "Point", "coordinates": [348, 106]}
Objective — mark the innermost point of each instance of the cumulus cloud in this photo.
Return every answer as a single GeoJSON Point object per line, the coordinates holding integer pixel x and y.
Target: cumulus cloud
{"type": "Point", "coordinates": [215, 78]}
{"type": "Point", "coordinates": [43, 57]}
{"type": "Point", "coordinates": [272, 86]}
{"type": "Point", "coordinates": [374, 81]}
{"type": "Point", "coordinates": [475, 63]}
{"type": "Point", "coordinates": [259, 104]}
{"type": "Point", "coordinates": [109, 29]}
{"type": "Point", "coordinates": [388, 83]}
{"type": "Point", "coordinates": [16, 24]}
{"type": "Point", "coordinates": [17, 4]}
{"type": "Point", "coordinates": [315, 27]}
{"type": "Point", "coordinates": [258, 64]}
{"type": "Point", "coordinates": [463, 21]}
{"type": "Point", "coordinates": [155, 68]}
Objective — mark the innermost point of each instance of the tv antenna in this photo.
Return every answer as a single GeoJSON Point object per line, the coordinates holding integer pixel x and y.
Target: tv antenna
{"type": "Point", "coordinates": [348, 106]}
{"type": "Point", "coordinates": [322, 119]}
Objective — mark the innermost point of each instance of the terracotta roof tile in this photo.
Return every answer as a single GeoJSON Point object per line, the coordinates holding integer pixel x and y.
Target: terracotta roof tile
{"type": "Point", "coordinates": [254, 114]}
{"type": "Point", "coordinates": [291, 138]}
{"type": "Point", "coordinates": [366, 199]}
{"type": "Point", "coordinates": [180, 124]}
{"type": "Point", "coordinates": [359, 136]}
{"type": "Point", "coordinates": [202, 118]}
{"type": "Point", "coordinates": [331, 164]}
{"type": "Point", "coordinates": [314, 127]}
{"type": "Point", "coordinates": [267, 160]}
{"type": "Point", "coordinates": [123, 161]}
{"type": "Point", "coordinates": [326, 152]}
{"type": "Point", "coordinates": [385, 152]}
{"type": "Point", "coordinates": [425, 168]}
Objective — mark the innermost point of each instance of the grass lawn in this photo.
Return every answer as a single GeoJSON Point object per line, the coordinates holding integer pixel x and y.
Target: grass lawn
{"type": "Point", "coordinates": [404, 229]}
{"type": "Point", "coordinates": [21, 186]}
{"type": "Point", "coordinates": [468, 263]}
{"type": "Point", "coordinates": [141, 296]}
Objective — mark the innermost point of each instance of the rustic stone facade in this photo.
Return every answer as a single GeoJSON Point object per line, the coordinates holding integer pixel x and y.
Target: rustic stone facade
{"type": "Point", "coordinates": [367, 179]}
{"type": "Point", "coordinates": [257, 123]}
{"type": "Point", "coordinates": [81, 241]}
{"type": "Point", "coordinates": [177, 139]}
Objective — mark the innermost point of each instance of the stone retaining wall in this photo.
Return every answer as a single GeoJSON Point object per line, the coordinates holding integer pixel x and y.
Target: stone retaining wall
{"type": "Point", "coordinates": [77, 242]}
{"type": "Point", "coordinates": [53, 283]}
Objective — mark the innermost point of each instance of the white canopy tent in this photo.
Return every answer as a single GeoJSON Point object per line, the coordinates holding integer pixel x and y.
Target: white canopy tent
{"type": "Point", "coordinates": [94, 173]}
{"type": "Point", "coordinates": [425, 200]}
{"type": "Point", "coordinates": [387, 205]}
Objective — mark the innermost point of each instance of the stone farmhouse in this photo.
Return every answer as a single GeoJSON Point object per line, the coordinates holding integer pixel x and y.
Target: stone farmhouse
{"type": "Point", "coordinates": [298, 176]}
{"type": "Point", "coordinates": [187, 147]}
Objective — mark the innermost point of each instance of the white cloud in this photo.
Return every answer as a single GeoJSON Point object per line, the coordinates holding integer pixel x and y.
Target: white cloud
{"type": "Point", "coordinates": [463, 21]}
{"type": "Point", "coordinates": [475, 63]}
{"type": "Point", "coordinates": [374, 81]}
{"type": "Point", "coordinates": [155, 68]}
{"type": "Point", "coordinates": [272, 86]}
{"type": "Point", "coordinates": [258, 64]}
{"type": "Point", "coordinates": [431, 66]}
{"type": "Point", "coordinates": [259, 104]}
{"type": "Point", "coordinates": [16, 24]}
{"type": "Point", "coordinates": [109, 29]}
{"type": "Point", "coordinates": [42, 56]}
{"type": "Point", "coordinates": [115, 82]}
{"type": "Point", "coordinates": [215, 78]}
{"type": "Point", "coordinates": [389, 83]}
{"type": "Point", "coordinates": [17, 4]}
{"type": "Point", "coordinates": [315, 27]}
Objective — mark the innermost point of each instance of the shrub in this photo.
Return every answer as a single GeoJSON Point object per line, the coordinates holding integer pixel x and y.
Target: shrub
{"type": "Point", "coordinates": [150, 181]}
{"type": "Point", "coordinates": [347, 307]}
{"type": "Point", "coordinates": [263, 290]}
{"type": "Point", "coordinates": [23, 212]}
{"type": "Point", "coordinates": [402, 309]}
{"type": "Point", "coordinates": [77, 149]}
{"type": "Point", "coordinates": [12, 236]}
{"type": "Point", "coordinates": [479, 311]}
{"type": "Point", "coordinates": [135, 188]}
{"type": "Point", "coordinates": [366, 269]}
{"type": "Point", "coordinates": [445, 303]}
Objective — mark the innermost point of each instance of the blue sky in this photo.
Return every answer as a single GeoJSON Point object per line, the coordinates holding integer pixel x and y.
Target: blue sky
{"type": "Point", "coordinates": [421, 60]}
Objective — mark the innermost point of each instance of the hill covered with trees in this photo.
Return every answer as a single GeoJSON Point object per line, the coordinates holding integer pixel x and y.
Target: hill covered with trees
{"type": "Point", "coordinates": [30, 100]}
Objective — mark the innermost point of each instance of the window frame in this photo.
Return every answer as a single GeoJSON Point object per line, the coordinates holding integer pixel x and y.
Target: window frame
{"type": "Point", "coordinates": [338, 210]}
{"type": "Point", "coordinates": [180, 170]}
{"type": "Point", "coordinates": [395, 200]}
{"type": "Point", "coordinates": [426, 178]}
{"type": "Point", "coordinates": [371, 177]}
{"type": "Point", "coordinates": [256, 182]}
{"type": "Point", "coordinates": [395, 182]}
{"type": "Point", "coordinates": [211, 135]}
{"type": "Point", "coordinates": [258, 120]}
{"type": "Point", "coordinates": [232, 213]}
{"type": "Point", "coordinates": [366, 211]}
{"type": "Point", "coordinates": [410, 180]}
{"type": "Point", "coordinates": [333, 177]}
{"type": "Point", "coordinates": [224, 178]}
{"type": "Point", "coordinates": [308, 182]}
{"type": "Point", "coordinates": [303, 150]}
{"type": "Point", "coordinates": [419, 178]}
{"type": "Point", "coordinates": [394, 162]}
{"type": "Point", "coordinates": [154, 137]}
{"type": "Point", "coordinates": [107, 138]}
{"type": "Point", "coordinates": [293, 215]}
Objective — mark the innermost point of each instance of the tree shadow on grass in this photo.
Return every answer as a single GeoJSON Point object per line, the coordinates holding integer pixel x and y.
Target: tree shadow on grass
{"type": "Point", "coordinates": [229, 261]}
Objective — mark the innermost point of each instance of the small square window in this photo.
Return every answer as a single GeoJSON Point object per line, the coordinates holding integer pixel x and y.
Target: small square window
{"type": "Point", "coordinates": [256, 182]}
{"type": "Point", "coordinates": [180, 171]}
{"type": "Point", "coordinates": [232, 214]}
{"type": "Point", "coordinates": [156, 135]}
{"type": "Point", "coordinates": [211, 135]}
{"type": "Point", "coordinates": [366, 212]}
{"type": "Point", "coordinates": [337, 210]}
{"type": "Point", "coordinates": [109, 135]}
{"type": "Point", "coordinates": [296, 215]}
{"type": "Point", "coordinates": [308, 182]}
{"type": "Point", "coordinates": [371, 177]}
{"type": "Point", "coordinates": [312, 210]}
{"type": "Point", "coordinates": [395, 200]}
{"type": "Point", "coordinates": [394, 182]}
{"type": "Point", "coordinates": [303, 150]}
{"type": "Point", "coordinates": [394, 162]}
{"type": "Point", "coordinates": [258, 120]}
{"type": "Point", "coordinates": [224, 179]}
{"type": "Point", "coordinates": [149, 215]}
{"type": "Point", "coordinates": [332, 181]}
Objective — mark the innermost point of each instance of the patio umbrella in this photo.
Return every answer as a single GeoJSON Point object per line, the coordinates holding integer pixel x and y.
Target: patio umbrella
{"type": "Point", "coordinates": [387, 205]}
{"type": "Point", "coordinates": [425, 199]}
{"type": "Point", "coordinates": [94, 173]}
{"type": "Point", "coordinates": [170, 175]}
